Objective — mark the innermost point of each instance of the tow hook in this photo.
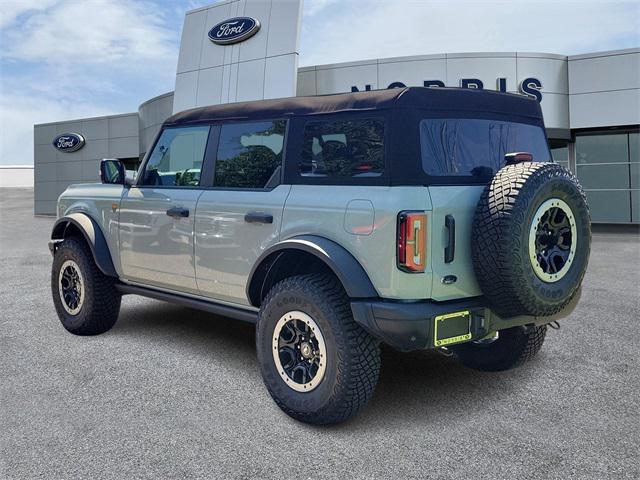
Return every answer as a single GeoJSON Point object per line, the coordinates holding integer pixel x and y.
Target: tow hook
{"type": "Point", "coordinates": [555, 325]}
{"type": "Point", "coordinates": [444, 351]}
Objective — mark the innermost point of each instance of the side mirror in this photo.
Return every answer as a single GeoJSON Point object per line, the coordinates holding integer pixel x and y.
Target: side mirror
{"type": "Point", "coordinates": [112, 171]}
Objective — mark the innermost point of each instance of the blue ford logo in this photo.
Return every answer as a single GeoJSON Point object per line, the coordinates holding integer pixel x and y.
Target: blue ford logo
{"type": "Point", "coordinates": [68, 142]}
{"type": "Point", "coordinates": [234, 30]}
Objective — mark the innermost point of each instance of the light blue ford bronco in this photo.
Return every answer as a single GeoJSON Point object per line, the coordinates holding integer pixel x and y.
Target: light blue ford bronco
{"type": "Point", "coordinates": [415, 217]}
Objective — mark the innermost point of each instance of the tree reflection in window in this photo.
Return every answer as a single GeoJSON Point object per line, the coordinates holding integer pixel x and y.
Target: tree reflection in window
{"type": "Point", "coordinates": [176, 160]}
{"type": "Point", "coordinates": [343, 149]}
{"type": "Point", "coordinates": [249, 154]}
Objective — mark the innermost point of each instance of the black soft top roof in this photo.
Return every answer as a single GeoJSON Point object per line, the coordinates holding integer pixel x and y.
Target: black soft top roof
{"type": "Point", "coordinates": [433, 99]}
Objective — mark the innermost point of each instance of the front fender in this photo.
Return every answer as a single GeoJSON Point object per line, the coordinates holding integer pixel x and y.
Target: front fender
{"type": "Point", "coordinates": [353, 277]}
{"type": "Point", "coordinates": [93, 235]}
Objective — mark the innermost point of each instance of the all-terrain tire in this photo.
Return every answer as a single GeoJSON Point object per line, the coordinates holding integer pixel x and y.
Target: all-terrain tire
{"type": "Point", "coordinates": [501, 249]}
{"type": "Point", "coordinates": [352, 355]}
{"type": "Point", "coordinates": [513, 347]}
{"type": "Point", "coordinates": [100, 298]}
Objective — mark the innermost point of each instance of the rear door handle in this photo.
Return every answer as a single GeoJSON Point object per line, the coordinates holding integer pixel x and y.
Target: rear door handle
{"type": "Point", "coordinates": [450, 249]}
{"type": "Point", "coordinates": [178, 212]}
{"type": "Point", "coordinates": [258, 217]}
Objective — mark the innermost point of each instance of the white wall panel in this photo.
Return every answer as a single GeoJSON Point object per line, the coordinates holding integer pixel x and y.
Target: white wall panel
{"type": "Point", "coordinates": [250, 81]}
{"type": "Point", "coordinates": [486, 69]}
{"type": "Point", "coordinates": [604, 73]}
{"type": "Point", "coordinates": [306, 82]}
{"type": "Point", "coordinates": [191, 41]}
{"type": "Point", "coordinates": [209, 86]}
{"type": "Point", "coordinates": [274, 46]}
{"type": "Point", "coordinates": [605, 109]}
{"type": "Point", "coordinates": [277, 85]}
{"type": "Point", "coordinates": [186, 91]}
{"type": "Point", "coordinates": [412, 73]}
{"type": "Point", "coordinates": [284, 29]}
{"type": "Point", "coordinates": [337, 80]}
{"type": "Point", "coordinates": [552, 73]}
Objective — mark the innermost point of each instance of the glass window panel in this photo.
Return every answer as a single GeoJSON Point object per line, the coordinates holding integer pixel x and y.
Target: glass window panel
{"type": "Point", "coordinates": [176, 159]}
{"type": "Point", "coordinates": [601, 148]}
{"type": "Point", "coordinates": [560, 154]}
{"type": "Point", "coordinates": [609, 206]}
{"type": "Point", "coordinates": [249, 154]}
{"type": "Point", "coordinates": [634, 147]}
{"type": "Point", "coordinates": [635, 206]}
{"type": "Point", "coordinates": [634, 169]}
{"type": "Point", "coordinates": [604, 176]}
{"type": "Point", "coordinates": [343, 149]}
{"type": "Point", "coordinates": [476, 147]}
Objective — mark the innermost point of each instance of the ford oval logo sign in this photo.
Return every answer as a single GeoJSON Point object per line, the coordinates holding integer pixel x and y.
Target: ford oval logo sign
{"type": "Point", "coordinates": [68, 142]}
{"type": "Point", "coordinates": [234, 30]}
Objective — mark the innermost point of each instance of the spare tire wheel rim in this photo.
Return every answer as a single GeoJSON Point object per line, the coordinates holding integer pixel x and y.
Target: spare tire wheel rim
{"type": "Point", "coordinates": [552, 240]}
{"type": "Point", "coordinates": [299, 351]}
{"type": "Point", "coordinates": [71, 287]}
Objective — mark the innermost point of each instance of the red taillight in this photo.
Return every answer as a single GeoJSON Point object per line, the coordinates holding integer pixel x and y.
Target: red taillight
{"type": "Point", "coordinates": [412, 241]}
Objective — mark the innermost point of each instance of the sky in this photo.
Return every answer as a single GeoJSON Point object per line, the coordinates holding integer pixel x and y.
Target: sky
{"type": "Point", "coordinates": [66, 59]}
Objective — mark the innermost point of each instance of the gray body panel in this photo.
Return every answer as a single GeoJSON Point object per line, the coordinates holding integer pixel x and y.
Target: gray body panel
{"type": "Point", "coordinates": [460, 202]}
{"type": "Point", "coordinates": [96, 200]}
{"type": "Point", "coordinates": [157, 249]}
{"type": "Point", "coordinates": [363, 221]}
{"type": "Point", "coordinates": [226, 246]}
{"type": "Point", "coordinates": [212, 252]}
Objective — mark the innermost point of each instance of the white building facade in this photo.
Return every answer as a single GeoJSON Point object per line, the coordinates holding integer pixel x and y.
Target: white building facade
{"type": "Point", "coordinates": [242, 50]}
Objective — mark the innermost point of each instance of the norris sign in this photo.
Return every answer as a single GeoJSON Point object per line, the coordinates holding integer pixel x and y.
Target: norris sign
{"type": "Point", "coordinates": [529, 86]}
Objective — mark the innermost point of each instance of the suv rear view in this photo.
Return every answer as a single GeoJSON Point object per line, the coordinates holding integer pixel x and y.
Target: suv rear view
{"type": "Point", "coordinates": [416, 217]}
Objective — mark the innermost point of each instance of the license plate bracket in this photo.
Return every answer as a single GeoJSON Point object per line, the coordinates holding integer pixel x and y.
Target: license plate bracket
{"type": "Point", "coordinates": [452, 328]}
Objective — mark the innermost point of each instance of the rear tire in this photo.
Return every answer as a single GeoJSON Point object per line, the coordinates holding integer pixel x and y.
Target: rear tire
{"type": "Point", "coordinates": [307, 320]}
{"type": "Point", "coordinates": [86, 300]}
{"type": "Point", "coordinates": [513, 347]}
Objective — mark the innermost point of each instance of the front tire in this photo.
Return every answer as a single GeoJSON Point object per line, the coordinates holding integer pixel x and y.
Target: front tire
{"type": "Point", "coordinates": [513, 347]}
{"type": "Point", "coordinates": [317, 363]}
{"type": "Point", "coordinates": [86, 300]}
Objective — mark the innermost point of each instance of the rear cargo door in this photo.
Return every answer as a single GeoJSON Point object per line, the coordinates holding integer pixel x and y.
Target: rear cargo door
{"type": "Point", "coordinates": [462, 155]}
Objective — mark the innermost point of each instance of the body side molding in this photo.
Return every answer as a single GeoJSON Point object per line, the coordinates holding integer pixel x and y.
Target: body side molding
{"type": "Point", "coordinates": [92, 234]}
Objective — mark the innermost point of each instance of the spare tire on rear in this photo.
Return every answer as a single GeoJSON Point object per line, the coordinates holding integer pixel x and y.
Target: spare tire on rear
{"type": "Point", "coordinates": [531, 239]}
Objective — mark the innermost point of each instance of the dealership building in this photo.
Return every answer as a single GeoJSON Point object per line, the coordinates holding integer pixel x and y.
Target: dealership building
{"type": "Point", "coordinates": [242, 50]}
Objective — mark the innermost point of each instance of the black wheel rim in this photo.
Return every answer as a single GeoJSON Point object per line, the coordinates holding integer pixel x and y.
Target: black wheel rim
{"type": "Point", "coordinates": [299, 351]}
{"type": "Point", "coordinates": [71, 287]}
{"type": "Point", "coordinates": [552, 240]}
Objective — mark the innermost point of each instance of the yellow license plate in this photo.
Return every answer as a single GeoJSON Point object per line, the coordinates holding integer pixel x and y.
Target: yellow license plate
{"type": "Point", "coordinates": [452, 328]}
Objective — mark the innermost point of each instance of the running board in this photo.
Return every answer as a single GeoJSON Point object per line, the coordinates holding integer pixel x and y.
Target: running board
{"type": "Point", "coordinates": [205, 305]}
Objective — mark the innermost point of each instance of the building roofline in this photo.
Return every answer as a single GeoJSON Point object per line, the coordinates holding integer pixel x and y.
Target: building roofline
{"type": "Point", "coordinates": [87, 119]}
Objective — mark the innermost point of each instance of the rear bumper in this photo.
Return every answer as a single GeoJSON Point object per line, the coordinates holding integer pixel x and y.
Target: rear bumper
{"type": "Point", "coordinates": [408, 326]}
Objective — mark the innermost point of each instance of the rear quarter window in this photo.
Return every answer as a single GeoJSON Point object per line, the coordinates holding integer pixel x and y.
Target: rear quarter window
{"type": "Point", "coordinates": [342, 149]}
{"type": "Point", "coordinates": [476, 147]}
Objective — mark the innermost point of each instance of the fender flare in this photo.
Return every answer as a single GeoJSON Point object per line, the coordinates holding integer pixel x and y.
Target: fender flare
{"type": "Point", "coordinates": [92, 234]}
{"type": "Point", "coordinates": [343, 264]}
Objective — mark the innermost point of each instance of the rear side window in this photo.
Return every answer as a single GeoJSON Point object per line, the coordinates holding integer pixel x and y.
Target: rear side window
{"type": "Point", "coordinates": [249, 154]}
{"type": "Point", "coordinates": [475, 147]}
{"type": "Point", "coordinates": [176, 160]}
{"type": "Point", "coordinates": [343, 149]}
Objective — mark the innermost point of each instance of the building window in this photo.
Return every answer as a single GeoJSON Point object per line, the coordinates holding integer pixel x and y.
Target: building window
{"type": "Point", "coordinates": [607, 166]}
{"type": "Point", "coordinates": [561, 156]}
{"type": "Point", "coordinates": [343, 149]}
{"type": "Point", "coordinates": [249, 154]}
{"type": "Point", "coordinates": [176, 160]}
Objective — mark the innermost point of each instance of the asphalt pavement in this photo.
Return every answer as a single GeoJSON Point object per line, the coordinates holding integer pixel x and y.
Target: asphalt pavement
{"type": "Point", "coordinates": [171, 392]}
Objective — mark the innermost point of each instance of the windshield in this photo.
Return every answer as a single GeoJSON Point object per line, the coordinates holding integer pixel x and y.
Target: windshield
{"type": "Point", "coordinates": [476, 147]}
